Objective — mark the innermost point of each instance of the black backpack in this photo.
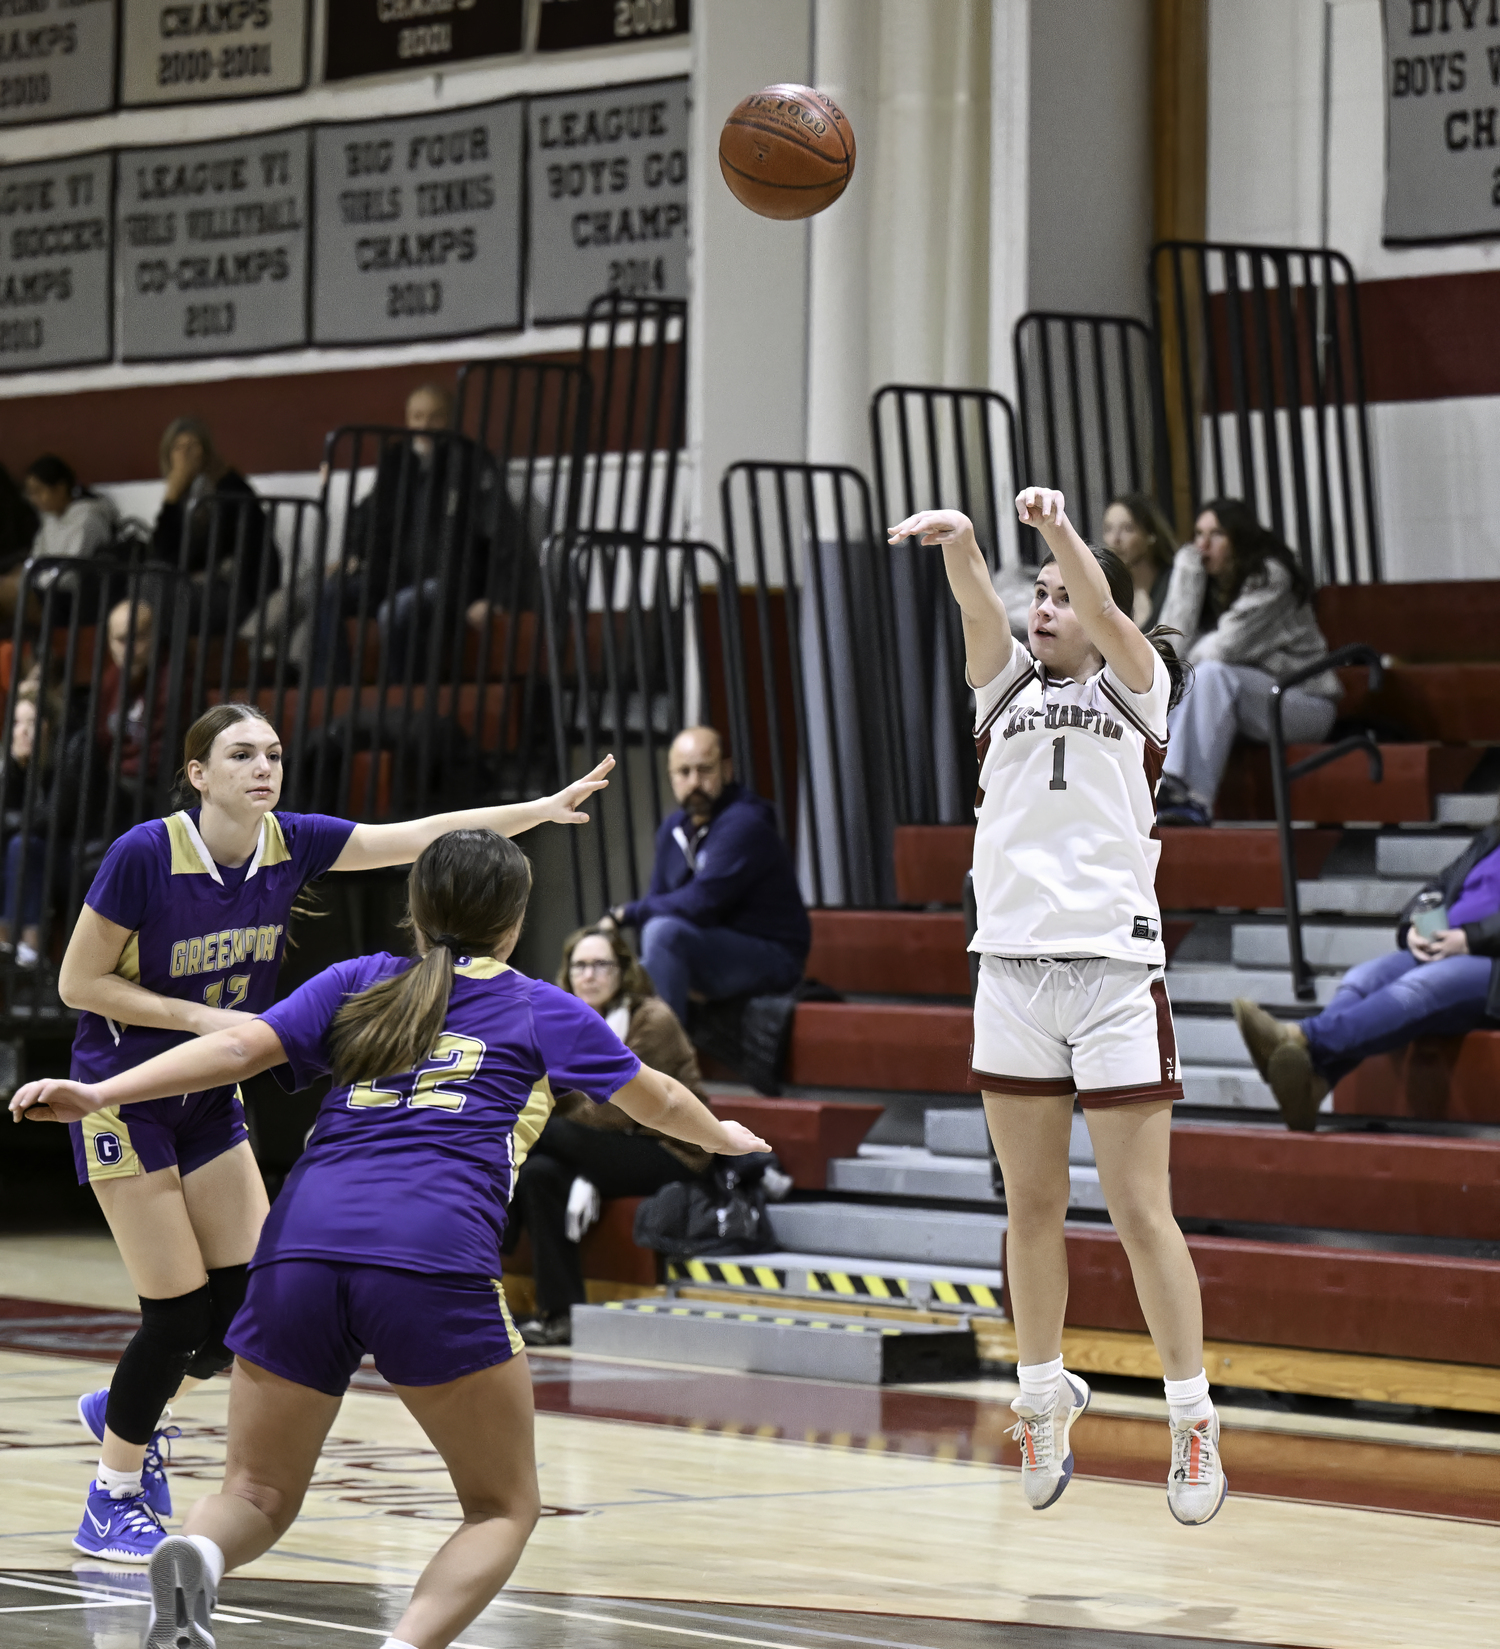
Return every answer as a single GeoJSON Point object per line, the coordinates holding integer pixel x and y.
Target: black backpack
{"type": "Point", "coordinates": [722, 1213]}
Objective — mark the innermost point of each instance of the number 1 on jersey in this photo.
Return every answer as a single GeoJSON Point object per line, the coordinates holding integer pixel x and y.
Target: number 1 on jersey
{"type": "Point", "coordinates": [1059, 754]}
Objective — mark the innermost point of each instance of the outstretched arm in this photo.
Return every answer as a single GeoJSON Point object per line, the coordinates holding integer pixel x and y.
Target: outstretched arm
{"type": "Point", "coordinates": [212, 1061]}
{"type": "Point", "coordinates": [1113, 633]}
{"type": "Point", "coordinates": [372, 847]}
{"type": "Point", "coordinates": [988, 642]}
{"type": "Point", "coordinates": [661, 1102]}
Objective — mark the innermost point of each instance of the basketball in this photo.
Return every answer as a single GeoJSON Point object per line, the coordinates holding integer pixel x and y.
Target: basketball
{"type": "Point", "coordinates": [787, 152]}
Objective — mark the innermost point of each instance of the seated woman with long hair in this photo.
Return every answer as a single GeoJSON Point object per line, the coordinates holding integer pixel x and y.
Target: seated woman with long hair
{"type": "Point", "coordinates": [587, 1152]}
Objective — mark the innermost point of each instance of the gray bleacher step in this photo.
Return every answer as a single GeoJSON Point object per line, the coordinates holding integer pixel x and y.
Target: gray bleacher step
{"type": "Point", "coordinates": [952, 1133]}
{"type": "Point", "coordinates": [931, 1235]}
{"type": "Point", "coordinates": [1417, 856]}
{"type": "Point", "coordinates": [1329, 948]}
{"type": "Point", "coordinates": [1206, 1041]}
{"type": "Point", "coordinates": [817, 1276]}
{"type": "Point", "coordinates": [791, 1339]}
{"type": "Point", "coordinates": [908, 1171]}
{"type": "Point", "coordinates": [1231, 1088]}
{"type": "Point", "coordinates": [1474, 811]}
{"type": "Point", "coordinates": [1212, 983]}
{"type": "Point", "coordinates": [1356, 896]}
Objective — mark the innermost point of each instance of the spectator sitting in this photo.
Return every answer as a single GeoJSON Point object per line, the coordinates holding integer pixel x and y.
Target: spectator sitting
{"type": "Point", "coordinates": [598, 1146]}
{"type": "Point", "coordinates": [1443, 984]}
{"type": "Point", "coordinates": [24, 879]}
{"type": "Point", "coordinates": [724, 915]}
{"type": "Point", "coordinates": [124, 727]}
{"type": "Point", "coordinates": [426, 540]}
{"type": "Point", "coordinates": [75, 523]}
{"type": "Point", "coordinates": [1137, 531]}
{"type": "Point", "coordinates": [1244, 611]}
{"type": "Point", "coordinates": [219, 533]}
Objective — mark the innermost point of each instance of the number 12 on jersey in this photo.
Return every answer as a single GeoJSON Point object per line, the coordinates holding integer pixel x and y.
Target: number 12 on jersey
{"type": "Point", "coordinates": [1059, 755]}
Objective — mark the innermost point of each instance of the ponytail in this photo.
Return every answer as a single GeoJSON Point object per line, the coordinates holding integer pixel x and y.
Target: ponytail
{"type": "Point", "coordinates": [1179, 670]}
{"type": "Point", "coordinates": [466, 895]}
{"type": "Point", "coordinates": [393, 1025]}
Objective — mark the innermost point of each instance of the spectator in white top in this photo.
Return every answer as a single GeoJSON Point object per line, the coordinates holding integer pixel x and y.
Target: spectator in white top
{"type": "Point", "coordinates": [74, 523]}
{"type": "Point", "coordinates": [1243, 608]}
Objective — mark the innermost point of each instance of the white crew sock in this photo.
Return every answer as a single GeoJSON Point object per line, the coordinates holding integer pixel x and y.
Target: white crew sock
{"type": "Point", "coordinates": [397, 1643]}
{"type": "Point", "coordinates": [1040, 1384]}
{"type": "Point", "coordinates": [121, 1485]}
{"type": "Point", "coordinates": [212, 1556]}
{"type": "Point", "coordinates": [1187, 1400]}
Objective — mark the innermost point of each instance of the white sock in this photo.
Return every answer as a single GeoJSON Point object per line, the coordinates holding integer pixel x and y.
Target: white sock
{"type": "Point", "coordinates": [1187, 1400]}
{"type": "Point", "coordinates": [397, 1643]}
{"type": "Point", "coordinates": [119, 1484]}
{"type": "Point", "coordinates": [1040, 1384]}
{"type": "Point", "coordinates": [212, 1556]}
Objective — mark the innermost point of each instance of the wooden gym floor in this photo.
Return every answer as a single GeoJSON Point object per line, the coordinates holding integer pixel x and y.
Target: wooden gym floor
{"type": "Point", "coordinates": [699, 1508]}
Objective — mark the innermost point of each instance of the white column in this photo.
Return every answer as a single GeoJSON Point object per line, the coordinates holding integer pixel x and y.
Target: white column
{"type": "Point", "coordinates": [747, 360]}
{"type": "Point", "coordinates": [1010, 185]}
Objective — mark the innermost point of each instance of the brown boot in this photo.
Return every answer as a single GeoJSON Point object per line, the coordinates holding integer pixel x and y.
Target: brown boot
{"type": "Point", "coordinates": [1298, 1088]}
{"type": "Point", "coordinates": [1262, 1034]}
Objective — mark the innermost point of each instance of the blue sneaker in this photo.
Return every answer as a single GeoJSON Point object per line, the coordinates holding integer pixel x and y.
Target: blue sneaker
{"type": "Point", "coordinates": [119, 1531]}
{"type": "Point", "coordinates": [91, 1407]}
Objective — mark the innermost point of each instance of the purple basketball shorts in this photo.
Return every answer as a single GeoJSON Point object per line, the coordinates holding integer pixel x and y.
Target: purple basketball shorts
{"type": "Point", "coordinates": [312, 1320]}
{"type": "Point", "coordinates": [158, 1133]}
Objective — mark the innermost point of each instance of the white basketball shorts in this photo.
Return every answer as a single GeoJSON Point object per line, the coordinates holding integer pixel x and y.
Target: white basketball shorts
{"type": "Point", "coordinates": [1094, 1026]}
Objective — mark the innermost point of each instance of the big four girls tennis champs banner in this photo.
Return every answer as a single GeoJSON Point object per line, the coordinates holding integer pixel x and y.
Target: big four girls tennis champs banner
{"type": "Point", "coordinates": [457, 222]}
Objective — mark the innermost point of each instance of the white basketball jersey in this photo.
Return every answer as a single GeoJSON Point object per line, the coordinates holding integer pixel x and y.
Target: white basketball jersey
{"type": "Point", "coordinates": [1064, 856]}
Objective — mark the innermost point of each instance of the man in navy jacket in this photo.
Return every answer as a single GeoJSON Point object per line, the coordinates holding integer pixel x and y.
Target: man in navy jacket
{"type": "Point", "coordinates": [724, 915]}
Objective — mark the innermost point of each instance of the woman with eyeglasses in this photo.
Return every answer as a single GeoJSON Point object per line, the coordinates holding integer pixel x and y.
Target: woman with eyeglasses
{"type": "Point", "coordinates": [588, 1152]}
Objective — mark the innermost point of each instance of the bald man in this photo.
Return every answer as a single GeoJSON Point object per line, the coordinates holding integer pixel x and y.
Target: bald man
{"type": "Point", "coordinates": [724, 915]}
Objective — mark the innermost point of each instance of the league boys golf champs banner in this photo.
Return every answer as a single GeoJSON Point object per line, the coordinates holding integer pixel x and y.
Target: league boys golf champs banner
{"type": "Point", "coordinates": [1442, 160]}
{"type": "Point", "coordinates": [57, 59]}
{"type": "Point", "coordinates": [198, 51]}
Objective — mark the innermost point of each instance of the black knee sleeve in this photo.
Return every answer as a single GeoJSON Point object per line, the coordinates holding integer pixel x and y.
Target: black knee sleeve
{"type": "Point", "coordinates": [226, 1294]}
{"type": "Point", "coordinates": [155, 1362]}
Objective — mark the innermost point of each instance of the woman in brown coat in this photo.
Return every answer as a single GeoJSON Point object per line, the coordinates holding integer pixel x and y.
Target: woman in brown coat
{"type": "Point", "coordinates": [587, 1151]}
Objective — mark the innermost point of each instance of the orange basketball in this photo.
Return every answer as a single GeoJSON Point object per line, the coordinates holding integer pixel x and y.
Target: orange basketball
{"type": "Point", "coordinates": [787, 152]}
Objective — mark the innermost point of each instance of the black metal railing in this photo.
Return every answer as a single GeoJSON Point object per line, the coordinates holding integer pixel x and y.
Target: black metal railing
{"type": "Point", "coordinates": [1262, 365]}
{"type": "Point", "coordinates": [1088, 392]}
{"type": "Point", "coordinates": [642, 640]}
{"type": "Point", "coordinates": [828, 744]}
{"type": "Point", "coordinates": [939, 448]}
{"type": "Point", "coordinates": [1283, 776]}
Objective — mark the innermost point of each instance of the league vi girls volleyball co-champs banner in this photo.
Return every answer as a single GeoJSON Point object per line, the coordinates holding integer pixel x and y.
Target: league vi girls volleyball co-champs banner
{"type": "Point", "coordinates": [460, 222]}
{"type": "Point", "coordinates": [1442, 90]}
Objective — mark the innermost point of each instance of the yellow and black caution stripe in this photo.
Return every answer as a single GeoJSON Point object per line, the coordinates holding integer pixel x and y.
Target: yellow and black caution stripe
{"type": "Point", "coordinates": [858, 1284]}
{"type": "Point", "coordinates": [975, 1294]}
{"type": "Point", "coordinates": [643, 1308]}
{"type": "Point", "coordinates": [725, 1272]}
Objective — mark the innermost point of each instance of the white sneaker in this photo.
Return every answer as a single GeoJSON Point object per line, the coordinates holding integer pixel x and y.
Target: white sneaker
{"type": "Point", "coordinates": [1046, 1459]}
{"type": "Point", "coordinates": [1196, 1485]}
{"type": "Point", "coordinates": [182, 1597]}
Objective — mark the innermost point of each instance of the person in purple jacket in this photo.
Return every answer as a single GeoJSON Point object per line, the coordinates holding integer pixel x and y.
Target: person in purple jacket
{"type": "Point", "coordinates": [386, 1237]}
{"type": "Point", "coordinates": [724, 915]}
{"type": "Point", "coordinates": [182, 933]}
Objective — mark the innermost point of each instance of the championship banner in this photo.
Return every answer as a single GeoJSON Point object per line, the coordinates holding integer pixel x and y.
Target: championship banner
{"type": "Point", "coordinates": [213, 247]}
{"type": "Point", "coordinates": [608, 196]}
{"type": "Point", "coordinates": [1442, 121]}
{"type": "Point", "coordinates": [199, 51]}
{"type": "Point", "coordinates": [564, 25]}
{"type": "Point", "coordinates": [418, 226]}
{"type": "Point", "coordinates": [57, 59]}
{"type": "Point", "coordinates": [55, 263]}
{"type": "Point", "coordinates": [382, 36]}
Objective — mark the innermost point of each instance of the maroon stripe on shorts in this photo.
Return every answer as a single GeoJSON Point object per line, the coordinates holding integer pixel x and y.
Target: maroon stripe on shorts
{"type": "Point", "coordinates": [1029, 1087]}
{"type": "Point", "coordinates": [1168, 1086]}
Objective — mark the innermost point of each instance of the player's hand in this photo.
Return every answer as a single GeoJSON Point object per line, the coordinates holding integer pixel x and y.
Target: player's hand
{"type": "Point", "coordinates": [933, 527]}
{"type": "Point", "coordinates": [738, 1141]}
{"type": "Point", "coordinates": [563, 808]}
{"type": "Point", "coordinates": [52, 1100]}
{"type": "Point", "coordinates": [1040, 507]}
